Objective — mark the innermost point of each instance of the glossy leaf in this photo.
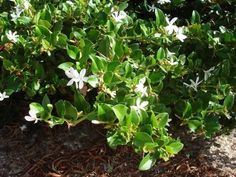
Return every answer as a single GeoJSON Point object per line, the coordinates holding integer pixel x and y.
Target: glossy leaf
{"type": "Point", "coordinates": [163, 119]}
{"type": "Point", "coordinates": [195, 17]}
{"type": "Point", "coordinates": [229, 101]}
{"type": "Point", "coordinates": [71, 112]}
{"type": "Point", "coordinates": [174, 148]}
{"type": "Point", "coordinates": [60, 108]}
{"type": "Point", "coordinates": [120, 111]}
{"type": "Point", "coordinates": [187, 110]}
{"type": "Point", "coordinates": [147, 162]}
{"type": "Point", "coordinates": [160, 17]}
{"type": "Point", "coordinates": [161, 54]}
{"type": "Point", "coordinates": [72, 51]}
{"type": "Point", "coordinates": [36, 107]}
{"type": "Point", "coordinates": [80, 103]}
{"type": "Point", "coordinates": [141, 138]}
{"type": "Point", "coordinates": [66, 66]}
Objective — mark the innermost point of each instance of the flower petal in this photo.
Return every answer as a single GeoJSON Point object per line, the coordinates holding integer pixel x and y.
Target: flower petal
{"type": "Point", "coordinates": [28, 118]}
{"type": "Point", "coordinates": [32, 113]}
{"type": "Point", "coordinates": [82, 73]}
{"type": "Point", "coordinates": [85, 79]}
{"type": "Point", "coordinates": [143, 80]}
{"type": "Point", "coordinates": [76, 85]}
{"type": "Point", "coordinates": [173, 20]}
{"type": "Point", "coordinates": [70, 82]}
{"type": "Point", "coordinates": [74, 73]}
{"type": "Point", "coordinates": [138, 102]}
{"type": "Point", "coordinates": [144, 104]}
{"type": "Point", "coordinates": [97, 122]}
{"type": "Point", "coordinates": [4, 95]}
{"type": "Point", "coordinates": [68, 73]}
{"type": "Point", "coordinates": [81, 84]}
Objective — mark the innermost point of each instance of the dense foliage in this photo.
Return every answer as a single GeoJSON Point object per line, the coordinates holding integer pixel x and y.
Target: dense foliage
{"type": "Point", "coordinates": [132, 66]}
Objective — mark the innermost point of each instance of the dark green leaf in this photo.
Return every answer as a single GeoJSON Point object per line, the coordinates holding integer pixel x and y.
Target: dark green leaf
{"type": "Point", "coordinates": [71, 112]}
{"type": "Point", "coordinates": [187, 111]}
{"type": "Point", "coordinates": [160, 17]}
{"type": "Point", "coordinates": [80, 103]}
{"type": "Point", "coordinates": [62, 41]}
{"type": "Point", "coordinates": [195, 17]}
{"type": "Point", "coordinates": [194, 124]}
{"type": "Point", "coordinates": [105, 112]}
{"type": "Point", "coordinates": [162, 119]}
{"type": "Point", "coordinates": [46, 44]}
{"type": "Point", "coordinates": [107, 77]}
{"type": "Point", "coordinates": [55, 121]}
{"type": "Point", "coordinates": [141, 138]}
{"type": "Point", "coordinates": [44, 23]}
{"type": "Point", "coordinates": [161, 54]}
{"type": "Point", "coordinates": [107, 46]}
{"type": "Point", "coordinates": [115, 139]}
{"type": "Point", "coordinates": [72, 51]}
{"type": "Point", "coordinates": [98, 64]}
{"type": "Point", "coordinates": [60, 108]}
{"type": "Point", "coordinates": [42, 31]}
{"type": "Point", "coordinates": [134, 117]}
{"type": "Point", "coordinates": [229, 101]}
{"type": "Point", "coordinates": [212, 124]}
{"type": "Point", "coordinates": [45, 101]}
{"type": "Point", "coordinates": [8, 65]}
{"type": "Point", "coordinates": [120, 111]}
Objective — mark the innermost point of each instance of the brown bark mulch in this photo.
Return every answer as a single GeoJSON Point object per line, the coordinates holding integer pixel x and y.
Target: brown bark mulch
{"type": "Point", "coordinates": [38, 151]}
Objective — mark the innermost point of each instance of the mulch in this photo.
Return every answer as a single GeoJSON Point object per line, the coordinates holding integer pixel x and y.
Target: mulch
{"type": "Point", "coordinates": [35, 150]}
{"type": "Point", "coordinates": [39, 151]}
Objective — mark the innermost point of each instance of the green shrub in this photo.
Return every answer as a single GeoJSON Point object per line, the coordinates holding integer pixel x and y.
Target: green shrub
{"type": "Point", "coordinates": [130, 66]}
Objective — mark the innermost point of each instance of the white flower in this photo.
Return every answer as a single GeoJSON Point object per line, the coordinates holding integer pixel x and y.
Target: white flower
{"type": "Point", "coordinates": [32, 116]}
{"type": "Point", "coordinates": [172, 62]}
{"type": "Point", "coordinates": [180, 35]}
{"type": "Point", "coordinates": [97, 122]}
{"type": "Point", "coordinates": [3, 96]}
{"type": "Point", "coordinates": [163, 1]}
{"type": "Point", "coordinates": [26, 4]}
{"type": "Point", "coordinates": [91, 4]}
{"type": "Point", "coordinates": [216, 40]}
{"type": "Point", "coordinates": [76, 77]}
{"type": "Point", "coordinates": [140, 87]}
{"type": "Point", "coordinates": [70, 3]}
{"type": "Point", "coordinates": [12, 36]}
{"type": "Point", "coordinates": [15, 15]}
{"type": "Point", "coordinates": [140, 105]}
{"type": "Point", "coordinates": [193, 84]}
{"type": "Point", "coordinates": [119, 16]}
{"type": "Point", "coordinates": [170, 28]}
{"type": "Point", "coordinates": [157, 35]}
{"type": "Point", "coordinates": [135, 65]}
{"type": "Point", "coordinates": [207, 73]}
{"type": "Point", "coordinates": [170, 54]}
{"type": "Point", "coordinates": [110, 92]}
{"type": "Point", "coordinates": [113, 94]}
{"type": "Point", "coordinates": [151, 8]}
